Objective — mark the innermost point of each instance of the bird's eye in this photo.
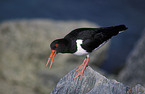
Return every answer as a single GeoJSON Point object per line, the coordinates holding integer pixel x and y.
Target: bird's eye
{"type": "Point", "coordinates": [56, 45]}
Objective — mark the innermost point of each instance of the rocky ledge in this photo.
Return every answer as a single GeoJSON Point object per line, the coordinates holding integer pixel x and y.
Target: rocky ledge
{"type": "Point", "coordinates": [93, 83]}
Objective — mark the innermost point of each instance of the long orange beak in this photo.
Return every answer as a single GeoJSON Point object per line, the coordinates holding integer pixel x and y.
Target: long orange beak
{"type": "Point", "coordinates": [52, 55]}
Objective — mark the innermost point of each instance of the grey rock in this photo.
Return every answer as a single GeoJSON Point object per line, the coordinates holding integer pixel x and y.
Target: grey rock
{"type": "Point", "coordinates": [93, 83]}
{"type": "Point", "coordinates": [24, 49]}
{"type": "Point", "coordinates": [134, 71]}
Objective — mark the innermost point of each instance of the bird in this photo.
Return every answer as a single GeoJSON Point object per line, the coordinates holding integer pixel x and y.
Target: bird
{"type": "Point", "coordinates": [83, 41]}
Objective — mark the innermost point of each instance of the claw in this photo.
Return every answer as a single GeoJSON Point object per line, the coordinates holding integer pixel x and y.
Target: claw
{"type": "Point", "coordinates": [79, 74]}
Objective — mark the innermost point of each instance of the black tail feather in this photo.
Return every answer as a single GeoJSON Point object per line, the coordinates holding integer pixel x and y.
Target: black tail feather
{"type": "Point", "coordinates": [119, 27]}
{"type": "Point", "coordinates": [113, 30]}
{"type": "Point", "coordinates": [108, 32]}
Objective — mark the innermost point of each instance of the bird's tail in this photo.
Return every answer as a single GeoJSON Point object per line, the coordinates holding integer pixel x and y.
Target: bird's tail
{"type": "Point", "coordinates": [108, 32]}
{"type": "Point", "coordinates": [119, 28]}
{"type": "Point", "coordinates": [114, 30]}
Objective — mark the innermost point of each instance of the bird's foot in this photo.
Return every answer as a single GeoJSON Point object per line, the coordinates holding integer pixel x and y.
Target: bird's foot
{"type": "Point", "coordinates": [79, 74]}
{"type": "Point", "coordinates": [84, 64]}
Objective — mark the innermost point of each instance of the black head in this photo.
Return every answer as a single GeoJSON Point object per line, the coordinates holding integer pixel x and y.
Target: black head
{"type": "Point", "coordinates": [60, 45]}
{"type": "Point", "coordinates": [57, 46]}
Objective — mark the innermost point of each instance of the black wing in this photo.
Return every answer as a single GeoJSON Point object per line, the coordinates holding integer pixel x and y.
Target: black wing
{"type": "Point", "coordinates": [101, 36]}
{"type": "Point", "coordinates": [94, 37]}
{"type": "Point", "coordinates": [94, 42]}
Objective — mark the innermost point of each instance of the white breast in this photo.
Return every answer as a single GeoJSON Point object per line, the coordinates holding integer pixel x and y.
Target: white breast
{"type": "Point", "coordinates": [80, 50]}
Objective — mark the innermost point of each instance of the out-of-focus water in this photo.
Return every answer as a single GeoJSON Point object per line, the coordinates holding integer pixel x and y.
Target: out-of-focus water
{"type": "Point", "coordinates": [102, 12]}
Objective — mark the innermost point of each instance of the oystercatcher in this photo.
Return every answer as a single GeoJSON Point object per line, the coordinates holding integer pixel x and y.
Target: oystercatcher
{"type": "Point", "coordinates": [83, 41]}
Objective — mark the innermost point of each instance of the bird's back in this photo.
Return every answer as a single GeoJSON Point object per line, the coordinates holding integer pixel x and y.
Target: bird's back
{"type": "Point", "coordinates": [81, 33]}
{"type": "Point", "coordinates": [86, 33]}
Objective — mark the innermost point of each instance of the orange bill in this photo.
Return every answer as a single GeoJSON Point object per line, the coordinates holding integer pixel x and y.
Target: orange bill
{"type": "Point", "coordinates": [52, 55]}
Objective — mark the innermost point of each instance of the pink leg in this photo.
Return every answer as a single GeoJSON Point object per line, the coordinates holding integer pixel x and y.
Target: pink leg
{"type": "Point", "coordinates": [84, 64]}
{"type": "Point", "coordinates": [79, 67]}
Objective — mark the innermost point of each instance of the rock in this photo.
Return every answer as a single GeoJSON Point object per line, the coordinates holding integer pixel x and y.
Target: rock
{"type": "Point", "coordinates": [134, 70]}
{"type": "Point", "coordinates": [93, 83]}
{"type": "Point", "coordinates": [24, 49]}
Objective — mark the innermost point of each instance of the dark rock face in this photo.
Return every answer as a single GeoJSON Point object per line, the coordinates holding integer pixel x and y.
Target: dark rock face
{"type": "Point", "coordinates": [134, 71]}
{"type": "Point", "coordinates": [93, 83]}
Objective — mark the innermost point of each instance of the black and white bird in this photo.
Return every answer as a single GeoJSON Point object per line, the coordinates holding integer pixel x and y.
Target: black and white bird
{"type": "Point", "coordinates": [83, 41]}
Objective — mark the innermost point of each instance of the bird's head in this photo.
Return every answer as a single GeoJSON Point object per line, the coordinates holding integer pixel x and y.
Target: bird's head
{"type": "Point", "coordinates": [57, 46]}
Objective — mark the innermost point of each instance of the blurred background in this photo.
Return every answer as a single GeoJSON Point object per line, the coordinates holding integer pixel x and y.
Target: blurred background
{"type": "Point", "coordinates": [27, 27]}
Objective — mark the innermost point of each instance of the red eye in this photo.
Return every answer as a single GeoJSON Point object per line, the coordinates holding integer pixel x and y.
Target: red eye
{"type": "Point", "coordinates": [56, 45]}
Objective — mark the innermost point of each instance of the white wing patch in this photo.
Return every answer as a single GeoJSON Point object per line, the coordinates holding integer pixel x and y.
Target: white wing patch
{"type": "Point", "coordinates": [80, 50]}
